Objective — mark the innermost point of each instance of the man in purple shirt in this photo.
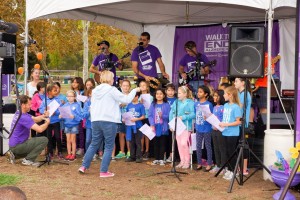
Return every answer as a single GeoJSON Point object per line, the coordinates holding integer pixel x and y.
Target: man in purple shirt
{"type": "Point", "coordinates": [144, 58]}
{"type": "Point", "coordinates": [19, 143]}
{"type": "Point", "coordinates": [105, 61]}
{"type": "Point", "coordinates": [190, 60]}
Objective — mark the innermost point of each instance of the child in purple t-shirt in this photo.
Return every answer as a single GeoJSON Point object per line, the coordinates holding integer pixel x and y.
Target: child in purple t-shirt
{"type": "Point", "coordinates": [158, 119]}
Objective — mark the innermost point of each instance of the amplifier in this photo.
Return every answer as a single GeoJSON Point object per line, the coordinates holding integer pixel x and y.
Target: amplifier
{"type": "Point", "coordinates": [288, 93]}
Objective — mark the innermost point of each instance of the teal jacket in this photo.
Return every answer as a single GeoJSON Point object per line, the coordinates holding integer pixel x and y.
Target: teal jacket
{"type": "Point", "coordinates": [185, 110]}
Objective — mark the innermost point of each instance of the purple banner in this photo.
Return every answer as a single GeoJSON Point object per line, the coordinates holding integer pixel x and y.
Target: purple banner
{"type": "Point", "coordinates": [5, 85]}
{"type": "Point", "coordinates": [213, 41]}
{"type": "Point", "coordinates": [297, 75]}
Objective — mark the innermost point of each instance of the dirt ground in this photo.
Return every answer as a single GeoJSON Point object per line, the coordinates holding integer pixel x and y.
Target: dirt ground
{"type": "Point", "coordinates": [132, 181]}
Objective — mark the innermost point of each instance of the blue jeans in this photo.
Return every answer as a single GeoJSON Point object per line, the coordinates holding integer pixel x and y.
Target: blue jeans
{"type": "Point", "coordinates": [88, 138]}
{"type": "Point", "coordinates": [106, 131]}
{"type": "Point", "coordinates": [195, 85]}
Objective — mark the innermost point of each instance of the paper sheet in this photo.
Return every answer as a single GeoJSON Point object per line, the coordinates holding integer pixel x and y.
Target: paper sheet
{"type": "Point", "coordinates": [147, 130]}
{"type": "Point", "coordinates": [146, 100]}
{"type": "Point", "coordinates": [214, 121]}
{"type": "Point", "coordinates": [81, 98]}
{"type": "Point", "coordinates": [127, 116]}
{"type": "Point", "coordinates": [205, 110]}
{"type": "Point", "coordinates": [65, 111]}
{"type": "Point", "coordinates": [194, 143]}
{"type": "Point", "coordinates": [53, 107]}
{"type": "Point", "coordinates": [180, 126]}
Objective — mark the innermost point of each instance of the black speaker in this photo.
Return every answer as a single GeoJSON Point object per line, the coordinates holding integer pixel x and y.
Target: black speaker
{"type": "Point", "coordinates": [8, 52]}
{"type": "Point", "coordinates": [246, 51]}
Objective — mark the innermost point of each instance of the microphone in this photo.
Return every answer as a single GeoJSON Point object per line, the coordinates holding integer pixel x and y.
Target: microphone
{"type": "Point", "coordinates": [140, 43]}
{"type": "Point", "coordinates": [8, 27]}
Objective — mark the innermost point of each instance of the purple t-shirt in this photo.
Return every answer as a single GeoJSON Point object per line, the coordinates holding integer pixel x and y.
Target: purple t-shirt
{"type": "Point", "coordinates": [146, 59]}
{"type": "Point", "coordinates": [189, 62]}
{"type": "Point", "coordinates": [102, 60]}
{"type": "Point", "coordinates": [22, 130]}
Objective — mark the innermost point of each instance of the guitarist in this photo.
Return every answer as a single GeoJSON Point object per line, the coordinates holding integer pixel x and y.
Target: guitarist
{"type": "Point", "coordinates": [190, 60]}
{"type": "Point", "coordinates": [105, 60]}
{"type": "Point", "coordinates": [261, 85]}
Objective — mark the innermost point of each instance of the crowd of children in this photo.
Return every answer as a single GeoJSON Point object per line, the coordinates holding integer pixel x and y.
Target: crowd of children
{"type": "Point", "coordinates": [156, 111]}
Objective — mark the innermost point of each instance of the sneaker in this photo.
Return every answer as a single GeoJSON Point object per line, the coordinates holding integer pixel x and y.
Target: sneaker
{"type": "Point", "coordinates": [246, 172]}
{"type": "Point", "coordinates": [120, 155]}
{"type": "Point", "coordinates": [10, 157]}
{"type": "Point", "coordinates": [214, 170]}
{"type": "Point", "coordinates": [82, 170]}
{"type": "Point", "coordinates": [68, 157]}
{"type": "Point", "coordinates": [72, 158]}
{"type": "Point", "coordinates": [146, 156]}
{"type": "Point", "coordinates": [228, 175]}
{"type": "Point", "coordinates": [80, 152]}
{"type": "Point", "coordinates": [60, 156]}
{"type": "Point", "coordinates": [162, 163]}
{"type": "Point", "coordinates": [138, 160]}
{"type": "Point", "coordinates": [129, 160]}
{"type": "Point", "coordinates": [186, 166]}
{"type": "Point", "coordinates": [169, 160]}
{"type": "Point", "coordinates": [95, 157]}
{"type": "Point", "coordinates": [180, 165]}
{"type": "Point", "coordinates": [128, 154]}
{"type": "Point", "coordinates": [29, 162]}
{"type": "Point", "coordinates": [155, 162]}
{"type": "Point", "coordinates": [113, 158]}
{"type": "Point", "coordinates": [106, 174]}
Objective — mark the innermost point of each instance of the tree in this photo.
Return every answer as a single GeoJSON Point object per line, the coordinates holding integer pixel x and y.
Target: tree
{"type": "Point", "coordinates": [60, 39]}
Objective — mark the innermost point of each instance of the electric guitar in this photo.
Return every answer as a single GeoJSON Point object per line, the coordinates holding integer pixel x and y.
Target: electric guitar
{"type": "Point", "coordinates": [192, 73]}
{"type": "Point", "coordinates": [97, 76]}
{"type": "Point", "coordinates": [273, 61]}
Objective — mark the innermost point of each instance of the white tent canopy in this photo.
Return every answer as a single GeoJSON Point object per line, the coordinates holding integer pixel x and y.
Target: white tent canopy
{"type": "Point", "coordinates": [132, 15]}
{"type": "Point", "coordinates": [136, 15]}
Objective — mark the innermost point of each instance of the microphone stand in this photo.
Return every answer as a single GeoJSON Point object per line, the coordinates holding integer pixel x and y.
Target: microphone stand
{"type": "Point", "coordinates": [173, 169]}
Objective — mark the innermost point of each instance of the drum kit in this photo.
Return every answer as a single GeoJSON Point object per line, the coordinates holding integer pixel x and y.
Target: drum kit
{"type": "Point", "coordinates": [226, 79]}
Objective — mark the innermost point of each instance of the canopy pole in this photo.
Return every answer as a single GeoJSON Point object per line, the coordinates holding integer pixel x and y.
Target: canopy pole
{"type": "Point", "coordinates": [269, 74]}
{"type": "Point", "coordinates": [25, 58]}
{"type": "Point", "coordinates": [85, 38]}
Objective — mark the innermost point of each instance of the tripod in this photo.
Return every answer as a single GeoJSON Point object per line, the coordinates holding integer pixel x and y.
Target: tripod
{"type": "Point", "coordinates": [48, 156]}
{"type": "Point", "coordinates": [243, 145]}
{"type": "Point", "coordinates": [2, 128]}
{"type": "Point", "coordinates": [173, 169]}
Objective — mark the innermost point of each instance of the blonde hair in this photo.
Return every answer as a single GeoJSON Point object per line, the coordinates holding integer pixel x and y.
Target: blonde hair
{"type": "Point", "coordinates": [106, 77]}
{"type": "Point", "coordinates": [32, 71]}
{"type": "Point", "coordinates": [147, 84]}
{"type": "Point", "coordinates": [71, 92]}
{"type": "Point", "coordinates": [187, 91]}
{"type": "Point", "coordinates": [126, 80]}
{"type": "Point", "coordinates": [231, 90]}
